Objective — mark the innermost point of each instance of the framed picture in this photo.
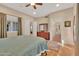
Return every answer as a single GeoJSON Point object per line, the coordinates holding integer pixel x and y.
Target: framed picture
{"type": "Point", "coordinates": [67, 23]}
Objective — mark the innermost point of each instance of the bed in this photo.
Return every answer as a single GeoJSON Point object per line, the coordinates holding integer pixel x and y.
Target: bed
{"type": "Point", "coordinates": [22, 46]}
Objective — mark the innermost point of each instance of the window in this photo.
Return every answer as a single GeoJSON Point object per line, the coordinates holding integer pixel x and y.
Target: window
{"type": "Point", "coordinates": [15, 26]}
{"type": "Point", "coordinates": [12, 23]}
{"type": "Point", "coordinates": [12, 26]}
{"type": "Point", "coordinates": [8, 25]}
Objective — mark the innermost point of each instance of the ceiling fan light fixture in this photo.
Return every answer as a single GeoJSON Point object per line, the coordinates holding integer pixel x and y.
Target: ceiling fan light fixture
{"type": "Point", "coordinates": [34, 13]}
{"type": "Point", "coordinates": [57, 5]}
{"type": "Point", "coordinates": [32, 3]}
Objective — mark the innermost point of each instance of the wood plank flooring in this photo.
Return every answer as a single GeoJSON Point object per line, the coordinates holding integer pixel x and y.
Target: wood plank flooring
{"type": "Point", "coordinates": [66, 50]}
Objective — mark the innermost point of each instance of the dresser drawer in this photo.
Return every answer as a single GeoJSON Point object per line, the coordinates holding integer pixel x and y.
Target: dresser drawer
{"type": "Point", "coordinates": [44, 35]}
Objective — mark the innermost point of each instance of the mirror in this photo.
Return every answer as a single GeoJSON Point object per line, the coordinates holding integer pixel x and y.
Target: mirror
{"type": "Point", "coordinates": [43, 27]}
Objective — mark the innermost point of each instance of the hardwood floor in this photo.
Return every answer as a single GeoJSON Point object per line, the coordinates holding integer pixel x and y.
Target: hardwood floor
{"type": "Point", "coordinates": [66, 50]}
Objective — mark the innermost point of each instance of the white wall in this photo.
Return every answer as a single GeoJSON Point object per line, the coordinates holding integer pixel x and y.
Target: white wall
{"type": "Point", "coordinates": [41, 20]}
{"type": "Point", "coordinates": [76, 28]}
{"type": "Point", "coordinates": [26, 25]}
{"type": "Point", "coordinates": [34, 23]}
{"type": "Point", "coordinates": [12, 18]}
{"type": "Point", "coordinates": [60, 17]}
{"type": "Point", "coordinates": [12, 34]}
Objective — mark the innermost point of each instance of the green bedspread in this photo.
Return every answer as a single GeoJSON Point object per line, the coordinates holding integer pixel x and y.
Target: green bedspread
{"type": "Point", "coordinates": [22, 46]}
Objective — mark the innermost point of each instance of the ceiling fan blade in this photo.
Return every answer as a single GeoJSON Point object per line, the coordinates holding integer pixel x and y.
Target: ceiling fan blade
{"type": "Point", "coordinates": [34, 6]}
{"type": "Point", "coordinates": [38, 3]}
{"type": "Point", "coordinates": [27, 5]}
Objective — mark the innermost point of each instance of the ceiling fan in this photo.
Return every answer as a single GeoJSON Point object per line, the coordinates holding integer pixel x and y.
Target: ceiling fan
{"type": "Point", "coordinates": [34, 5]}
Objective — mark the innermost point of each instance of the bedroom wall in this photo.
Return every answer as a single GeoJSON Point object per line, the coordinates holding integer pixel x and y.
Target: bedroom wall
{"type": "Point", "coordinates": [59, 18]}
{"type": "Point", "coordinates": [26, 25]}
{"type": "Point", "coordinates": [34, 24]}
{"type": "Point", "coordinates": [25, 18]}
{"type": "Point", "coordinates": [76, 29]}
{"type": "Point", "coordinates": [42, 20]}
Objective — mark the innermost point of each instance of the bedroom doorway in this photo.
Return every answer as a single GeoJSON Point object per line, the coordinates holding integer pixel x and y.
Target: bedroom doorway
{"type": "Point", "coordinates": [57, 34]}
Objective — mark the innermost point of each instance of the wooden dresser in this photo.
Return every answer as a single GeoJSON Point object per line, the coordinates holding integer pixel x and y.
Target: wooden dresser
{"type": "Point", "coordinates": [45, 35]}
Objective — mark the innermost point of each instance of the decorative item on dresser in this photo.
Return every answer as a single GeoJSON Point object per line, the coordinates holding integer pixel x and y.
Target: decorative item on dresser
{"type": "Point", "coordinates": [45, 35]}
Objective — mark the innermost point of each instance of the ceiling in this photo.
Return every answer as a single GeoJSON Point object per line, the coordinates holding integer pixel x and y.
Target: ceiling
{"type": "Point", "coordinates": [41, 11]}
